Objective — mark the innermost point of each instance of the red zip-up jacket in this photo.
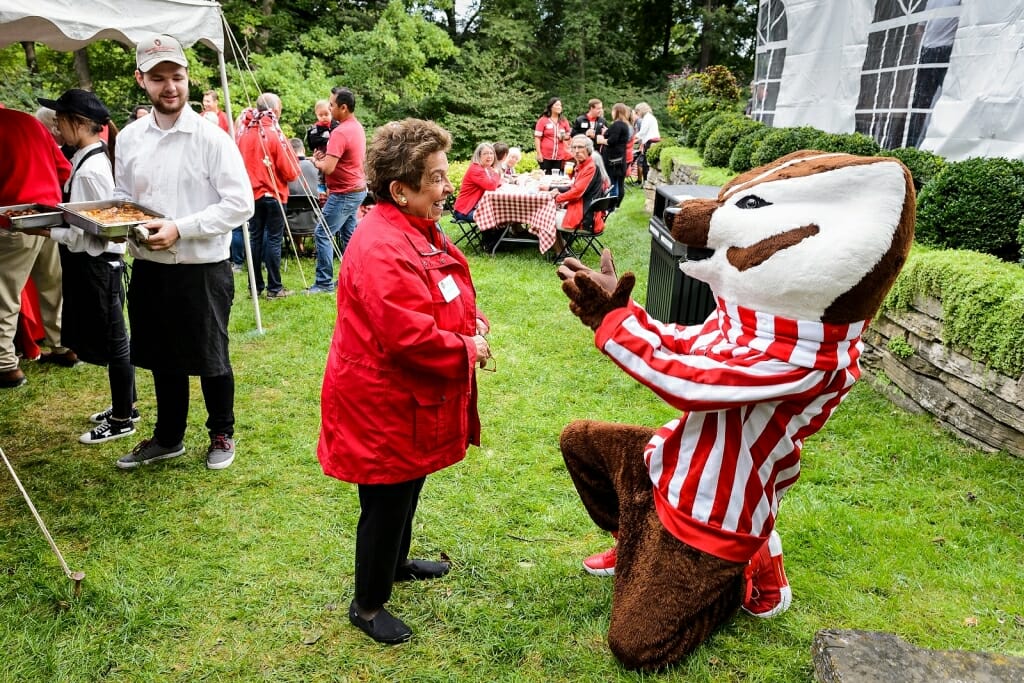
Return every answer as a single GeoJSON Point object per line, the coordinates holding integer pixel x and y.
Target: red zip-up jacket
{"type": "Point", "coordinates": [399, 392]}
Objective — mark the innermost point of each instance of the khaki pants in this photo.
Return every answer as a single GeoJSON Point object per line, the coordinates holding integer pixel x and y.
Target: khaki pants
{"type": "Point", "coordinates": [23, 256]}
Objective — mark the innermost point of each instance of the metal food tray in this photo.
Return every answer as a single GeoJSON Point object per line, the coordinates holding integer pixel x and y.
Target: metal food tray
{"type": "Point", "coordinates": [74, 216]}
{"type": "Point", "coordinates": [46, 217]}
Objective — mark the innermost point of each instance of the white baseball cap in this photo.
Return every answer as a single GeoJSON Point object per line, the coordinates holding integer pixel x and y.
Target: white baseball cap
{"type": "Point", "coordinates": [159, 48]}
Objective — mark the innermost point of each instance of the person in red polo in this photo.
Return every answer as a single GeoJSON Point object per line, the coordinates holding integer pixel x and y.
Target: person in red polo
{"type": "Point", "coordinates": [41, 172]}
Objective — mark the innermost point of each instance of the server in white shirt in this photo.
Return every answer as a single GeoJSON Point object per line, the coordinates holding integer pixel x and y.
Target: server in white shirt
{"type": "Point", "coordinates": [93, 268]}
{"type": "Point", "coordinates": [181, 289]}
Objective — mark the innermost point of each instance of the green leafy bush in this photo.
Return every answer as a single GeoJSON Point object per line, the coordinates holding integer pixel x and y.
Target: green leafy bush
{"type": "Point", "coordinates": [654, 151]}
{"type": "Point", "coordinates": [693, 94]}
{"type": "Point", "coordinates": [692, 131]}
{"type": "Point", "coordinates": [923, 165]}
{"type": "Point", "coordinates": [748, 143]}
{"type": "Point", "coordinates": [847, 143]}
{"type": "Point", "coordinates": [783, 141]}
{"type": "Point", "coordinates": [720, 144]}
{"type": "Point", "coordinates": [982, 303]}
{"type": "Point", "coordinates": [711, 125]}
{"type": "Point", "coordinates": [974, 204]}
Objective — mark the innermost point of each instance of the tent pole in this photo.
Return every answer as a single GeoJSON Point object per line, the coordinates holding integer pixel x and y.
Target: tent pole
{"type": "Point", "coordinates": [245, 226]}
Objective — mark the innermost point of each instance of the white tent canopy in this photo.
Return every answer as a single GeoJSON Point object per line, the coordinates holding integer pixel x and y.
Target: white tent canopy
{"type": "Point", "coordinates": [72, 24]}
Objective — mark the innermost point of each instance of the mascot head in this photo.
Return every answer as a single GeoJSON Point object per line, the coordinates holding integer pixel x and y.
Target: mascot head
{"type": "Point", "coordinates": [811, 236]}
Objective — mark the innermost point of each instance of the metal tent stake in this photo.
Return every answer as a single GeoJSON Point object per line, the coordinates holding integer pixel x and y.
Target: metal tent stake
{"type": "Point", "coordinates": [74, 576]}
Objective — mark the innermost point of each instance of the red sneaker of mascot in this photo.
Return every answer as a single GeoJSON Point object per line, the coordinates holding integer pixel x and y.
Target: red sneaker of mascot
{"type": "Point", "coordinates": [802, 252]}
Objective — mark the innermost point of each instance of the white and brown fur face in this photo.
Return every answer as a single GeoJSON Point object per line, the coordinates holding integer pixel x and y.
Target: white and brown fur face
{"type": "Point", "coordinates": [811, 236]}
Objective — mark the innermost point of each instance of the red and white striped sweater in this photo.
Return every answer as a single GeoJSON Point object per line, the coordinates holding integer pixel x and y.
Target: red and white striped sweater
{"type": "Point", "coordinates": [753, 386]}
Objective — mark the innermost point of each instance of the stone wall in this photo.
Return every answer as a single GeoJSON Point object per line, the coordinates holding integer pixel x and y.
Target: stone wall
{"type": "Point", "coordinates": [982, 406]}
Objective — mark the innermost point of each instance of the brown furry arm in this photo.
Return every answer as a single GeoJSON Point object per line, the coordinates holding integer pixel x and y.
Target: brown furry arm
{"type": "Point", "coordinates": [593, 295]}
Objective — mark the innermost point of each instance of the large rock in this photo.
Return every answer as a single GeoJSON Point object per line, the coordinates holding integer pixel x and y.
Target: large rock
{"type": "Point", "coordinates": [873, 657]}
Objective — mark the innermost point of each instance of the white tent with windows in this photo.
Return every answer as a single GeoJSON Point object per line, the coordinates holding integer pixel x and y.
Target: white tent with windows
{"type": "Point", "coordinates": [73, 24]}
{"type": "Point", "coordinates": [941, 75]}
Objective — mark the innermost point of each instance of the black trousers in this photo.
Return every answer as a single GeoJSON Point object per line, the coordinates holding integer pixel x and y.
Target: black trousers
{"type": "Point", "coordinates": [172, 398]}
{"type": "Point", "coordinates": [382, 538]}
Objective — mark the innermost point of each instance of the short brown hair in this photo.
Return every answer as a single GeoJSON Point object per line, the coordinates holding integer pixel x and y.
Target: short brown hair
{"type": "Point", "coordinates": [399, 151]}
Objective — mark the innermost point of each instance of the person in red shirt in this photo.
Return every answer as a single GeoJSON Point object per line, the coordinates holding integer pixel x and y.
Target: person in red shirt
{"type": "Point", "coordinates": [213, 112]}
{"type": "Point", "coordinates": [592, 123]}
{"type": "Point", "coordinates": [271, 164]}
{"type": "Point", "coordinates": [552, 134]}
{"type": "Point", "coordinates": [480, 177]}
{"type": "Point", "coordinates": [342, 166]}
{"type": "Point", "coordinates": [41, 172]}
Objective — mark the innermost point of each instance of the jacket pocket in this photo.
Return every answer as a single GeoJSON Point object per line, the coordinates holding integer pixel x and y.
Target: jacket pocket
{"type": "Point", "coordinates": [438, 419]}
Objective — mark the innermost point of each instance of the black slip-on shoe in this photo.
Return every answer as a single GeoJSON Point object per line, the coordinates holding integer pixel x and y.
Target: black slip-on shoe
{"type": "Point", "coordinates": [421, 570]}
{"type": "Point", "coordinates": [383, 628]}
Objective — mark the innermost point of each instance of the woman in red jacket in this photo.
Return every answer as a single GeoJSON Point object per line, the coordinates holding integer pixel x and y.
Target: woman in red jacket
{"type": "Point", "coordinates": [480, 177]}
{"type": "Point", "coordinates": [589, 182]}
{"type": "Point", "coordinates": [399, 394]}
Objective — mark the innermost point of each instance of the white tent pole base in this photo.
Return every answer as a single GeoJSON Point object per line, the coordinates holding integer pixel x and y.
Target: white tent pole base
{"type": "Point", "coordinates": [252, 278]}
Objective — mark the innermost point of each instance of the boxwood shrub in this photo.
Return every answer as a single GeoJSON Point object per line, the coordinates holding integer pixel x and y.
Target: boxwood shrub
{"type": "Point", "coordinates": [711, 125]}
{"type": "Point", "coordinates": [654, 151]}
{"type": "Point", "coordinates": [974, 204]}
{"type": "Point", "coordinates": [739, 160]}
{"type": "Point", "coordinates": [690, 133]}
{"type": "Point", "coordinates": [923, 165]}
{"type": "Point", "coordinates": [720, 144]}
{"type": "Point", "coordinates": [848, 143]}
{"type": "Point", "coordinates": [783, 141]}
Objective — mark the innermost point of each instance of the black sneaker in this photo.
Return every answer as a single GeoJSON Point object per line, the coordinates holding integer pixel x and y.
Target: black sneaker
{"type": "Point", "coordinates": [103, 416]}
{"type": "Point", "coordinates": [383, 628]}
{"type": "Point", "coordinates": [108, 431]}
{"type": "Point", "coordinates": [149, 451]}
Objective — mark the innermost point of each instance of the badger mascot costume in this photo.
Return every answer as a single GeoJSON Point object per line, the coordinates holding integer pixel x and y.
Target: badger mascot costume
{"type": "Point", "coordinates": [802, 251]}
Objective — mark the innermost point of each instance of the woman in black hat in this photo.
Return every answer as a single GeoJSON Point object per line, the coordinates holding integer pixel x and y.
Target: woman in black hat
{"type": "Point", "coordinates": [93, 268]}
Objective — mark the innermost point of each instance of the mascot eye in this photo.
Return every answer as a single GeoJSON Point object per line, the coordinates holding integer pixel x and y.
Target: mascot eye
{"type": "Point", "coordinates": [751, 201]}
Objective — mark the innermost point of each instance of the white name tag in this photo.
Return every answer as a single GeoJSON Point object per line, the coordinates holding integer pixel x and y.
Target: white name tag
{"type": "Point", "coordinates": [449, 290]}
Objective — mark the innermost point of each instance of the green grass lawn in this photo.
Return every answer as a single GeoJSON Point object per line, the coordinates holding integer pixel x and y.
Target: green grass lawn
{"type": "Point", "coordinates": [245, 574]}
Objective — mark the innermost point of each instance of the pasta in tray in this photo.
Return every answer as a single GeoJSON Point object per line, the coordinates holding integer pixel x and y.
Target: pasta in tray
{"type": "Point", "coordinates": [117, 214]}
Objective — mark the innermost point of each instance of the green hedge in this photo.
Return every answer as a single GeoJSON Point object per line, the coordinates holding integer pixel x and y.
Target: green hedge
{"type": "Point", "coordinates": [923, 165]}
{"type": "Point", "coordinates": [712, 124]}
{"type": "Point", "coordinates": [690, 133]}
{"type": "Point", "coordinates": [783, 141]}
{"type": "Point", "coordinates": [720, 144]}
{"type": "Point", "coordinates": [974, 204]}
{"type": "Point", "coordinates": [847, 143]}
{"type": "Point", "coordinates": [654, 151]}
{"type": "Point", "coordinates": [982, 303]}
{"type": "Point", "coordinates": [740, 158]}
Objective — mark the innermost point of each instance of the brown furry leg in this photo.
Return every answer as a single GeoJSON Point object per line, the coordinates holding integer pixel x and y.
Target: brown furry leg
{"type": "Point", "coordinates": [669, 597]}
{"type": "Point", "coordinates": [606, 462]}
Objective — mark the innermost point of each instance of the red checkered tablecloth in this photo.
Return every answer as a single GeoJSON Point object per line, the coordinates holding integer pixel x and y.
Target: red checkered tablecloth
{"type": "Point", "coordinates": [519, 205]}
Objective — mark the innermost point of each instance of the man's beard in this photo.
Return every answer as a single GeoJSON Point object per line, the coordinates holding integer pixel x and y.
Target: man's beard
{"type": "Point", "coordinates": [164, 109]}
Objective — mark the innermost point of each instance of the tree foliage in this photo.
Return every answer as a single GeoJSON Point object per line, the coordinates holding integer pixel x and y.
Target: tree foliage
{"type": "Point", "coordinates": [485, 71]}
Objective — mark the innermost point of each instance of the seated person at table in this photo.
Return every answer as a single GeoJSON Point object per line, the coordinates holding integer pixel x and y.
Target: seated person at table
{"type": "Point", "coordinates": [515, 155]}
{"type": "Point", "coordinates": [480, 177]}
{"type": "Point", "coordinates": [589, 182]}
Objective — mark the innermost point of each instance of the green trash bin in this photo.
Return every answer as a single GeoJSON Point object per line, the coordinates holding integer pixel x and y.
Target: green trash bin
{"type": "Point", "coordinates": [673, 296]}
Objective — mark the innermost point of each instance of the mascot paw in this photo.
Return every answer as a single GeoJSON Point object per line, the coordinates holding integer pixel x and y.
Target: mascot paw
{"type": "Point", "coordinates": [593, 295]}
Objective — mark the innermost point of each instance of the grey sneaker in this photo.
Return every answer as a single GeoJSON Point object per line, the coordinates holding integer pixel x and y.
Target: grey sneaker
{"type": "Point", "coordinates": [279, 294]}
{"type": "Point", "coordinates": [149, 451]}
{"type": "Point", "coordinates": [221, 452]}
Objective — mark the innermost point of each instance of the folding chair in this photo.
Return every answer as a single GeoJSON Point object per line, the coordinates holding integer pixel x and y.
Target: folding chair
{"type": "Point", "coordinates": [469, 234]}
{"type": "Point", "coordinates": [584, 235]}
{"type": "Point", "coordinates": [301, 220]}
